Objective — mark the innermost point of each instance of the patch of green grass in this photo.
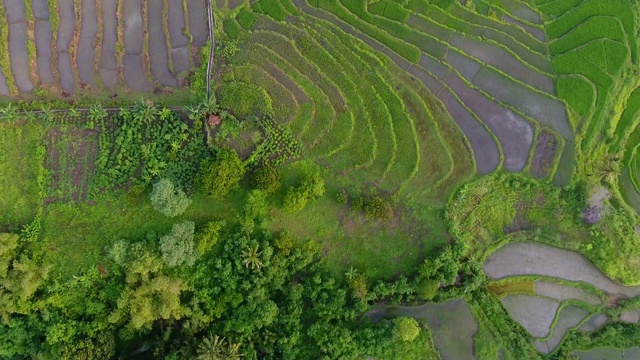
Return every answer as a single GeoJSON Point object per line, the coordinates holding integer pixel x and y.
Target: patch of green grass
{"type": "Point", "coordinates": [244, 99]}
{"type": "Point", "coordinates": [381, 250]}
{"type": "Point", "coordinates": [578, 92]}
{"type": "Point", "coordinates": [573, 62]}
{"type": "Point", "coordinates": [19, 169]}
{"type": "Point", "coordinates": [75, 235]}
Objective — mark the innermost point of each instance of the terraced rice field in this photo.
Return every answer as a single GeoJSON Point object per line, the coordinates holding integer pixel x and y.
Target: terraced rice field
{"type": "Point", "coordinates": [70, 46]}
{"type": "Point", "coordinates": [570, 295]}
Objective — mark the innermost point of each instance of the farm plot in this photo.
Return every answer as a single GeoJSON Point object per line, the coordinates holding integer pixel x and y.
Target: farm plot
{"type": "Point", "coordinates": [594, 41]}
{"type": "Point", "coordinates": [535, 314]}
{"type": "Point", "coordinates": [529, 258]}
{"type": "Point", "coordinates": [136, 45]}
{"type": "Point", "coordinates": [377, 128]}
{"type": "Point", "coordinates": [569, 317]}
{"type": "Point", "coordinates": [545, 153]}
{"type": "Point", "coordinates": [71, 156]}
{"type": "Point", "coordinates": [21, 161]}
{"type": "Point", "coordinates": [594, 322]}
{"type": "Point", "coordinates": [485, 66]}
{"type": "Point", "coordinates": [609, 354]}
{"type": "Point", "coordinates": [452, 324]}
{"type": "Point", "coordinates": [563, 292]}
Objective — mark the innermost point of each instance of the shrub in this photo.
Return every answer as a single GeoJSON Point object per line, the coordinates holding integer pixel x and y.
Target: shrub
{"type": "Point", "coordinates": [208, 237]}
{"type": "Point", "coordinates": [427, 289]}
{"type": "Point", "coordinates": [119, 252]}
{"type": "Point", "coordinates": [311, 187]}
{"type": "Point", "coordinates": [167, 199]}
{"type": "Point", "coordinates": [378, 208]}
{"type": "Point", "coordinates": [221, 175]}
{"type": "Point", "coordinates": [266, 178]}
{"type": "Point", "coordinates": [405, 329]}
{"type": "Point", "coordinates": [177, 247]}
{"type": "Point", "coordinates": [342, 197]}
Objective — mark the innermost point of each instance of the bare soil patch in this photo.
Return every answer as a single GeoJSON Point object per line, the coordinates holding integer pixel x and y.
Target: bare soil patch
{"type": "Point", "coordinates": [545, 154]}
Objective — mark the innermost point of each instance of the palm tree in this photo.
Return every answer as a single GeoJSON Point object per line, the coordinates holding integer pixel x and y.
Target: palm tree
{"type": "Point", "coordinates": [164, 114]}
{"type": "Point", "coordinates": [193, 112]}
{"type": "Point", "coordinates": [351, 273]}
{"type": "Point", "coordinates": [30, 115]}
{"type": "Point", "coordinates": [145, 111]}
{"type": "Point", "coordinates": [46, 114]}
{"type": "Point", "coordinates": [96, 112]}
{"type": "Point", "coordinates": [251, 258]}
{"type": "Point", "coordinates": [9, 112]}
{"type": "Point", "coordinates": [216, 348]}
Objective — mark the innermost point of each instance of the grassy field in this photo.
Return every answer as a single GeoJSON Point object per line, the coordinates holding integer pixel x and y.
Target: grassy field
{"type": "Point", "coordinates": [21, 161]}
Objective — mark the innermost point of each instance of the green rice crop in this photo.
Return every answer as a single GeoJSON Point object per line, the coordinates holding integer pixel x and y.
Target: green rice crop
{"type": "Point", "coordinates": [231, 27]}
{"type": "Point", "coordinates": [394, 11]}
{"type": "Point", "coordinates": [578, 92]}
{"type": "Point", "coordinates": [628, 120]}
{"type": "Point", "coordinates": [246, 18]}
{"type": "Point", "coordinates": [403, 49]}
{"type": "Point", "coordinates": [617, 56]}
{"type": "Point", "coordinates": [557, 8]}
{"type": "Point", "coordinates": [620, 9]}
{"type": "Point", "coordinates": [282, 101]}
{"type": "Point", "coordinates": [591, 29]}
{"type": "Point", "coordinates": [273, 8]}
{"type": "Point", "coordinates": [595, 52]}
{"type": "Point", "coordinates": [574, 63]}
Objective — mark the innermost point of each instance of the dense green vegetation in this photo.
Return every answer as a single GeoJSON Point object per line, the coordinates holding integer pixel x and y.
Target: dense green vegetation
{"type": "Point", "coordinates": [340, 192]}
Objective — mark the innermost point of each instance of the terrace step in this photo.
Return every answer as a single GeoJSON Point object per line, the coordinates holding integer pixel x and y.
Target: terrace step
{"type": "Point", "coordinates": [85, 55]}
{"type": "Point", "coordinates": [158, 53]}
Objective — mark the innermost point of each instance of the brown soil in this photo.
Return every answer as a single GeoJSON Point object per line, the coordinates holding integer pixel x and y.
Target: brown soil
{"type": "Point", "coordinates": [545, 154]}
{"type": "Point", "coordinates": [73, 47]}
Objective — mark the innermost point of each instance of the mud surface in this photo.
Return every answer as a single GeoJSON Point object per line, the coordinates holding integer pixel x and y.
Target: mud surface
{"type": "Point", "coordinates": [14, 10]}
{"type": "Point", "coordinates": [134, 73]}
{"type": "Point", "coordinates": [43, 37]}
{"type": "Point", "coordinates": [40, 9]}
{"type": "Point", "coordinates": [158, 54]}
{"type": "Point", "coordinates": [66, 72]}
{"type": "Point", "coordinates": [133, 35]}
{"type": "Point", "coordinates": [198, 26]}
{"type": "Point", "coordinates": [19, 56]}
{"type": "Point", "coordinates": [177, 24]}
{"type": "Point", "coordinates": [535, 314]}
{"type": "Point", "coordinates": [67, 23]}
{"type": "Point", "coordinates": [85, 55]}
{"type": "Point", "coordinates": [484, 148]}
{"type": "Point", "coordinates": [180, 59]}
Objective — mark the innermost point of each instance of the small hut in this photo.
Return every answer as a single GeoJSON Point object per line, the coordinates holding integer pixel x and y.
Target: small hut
{"type": "Point", "coordinates": [214, 120]}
